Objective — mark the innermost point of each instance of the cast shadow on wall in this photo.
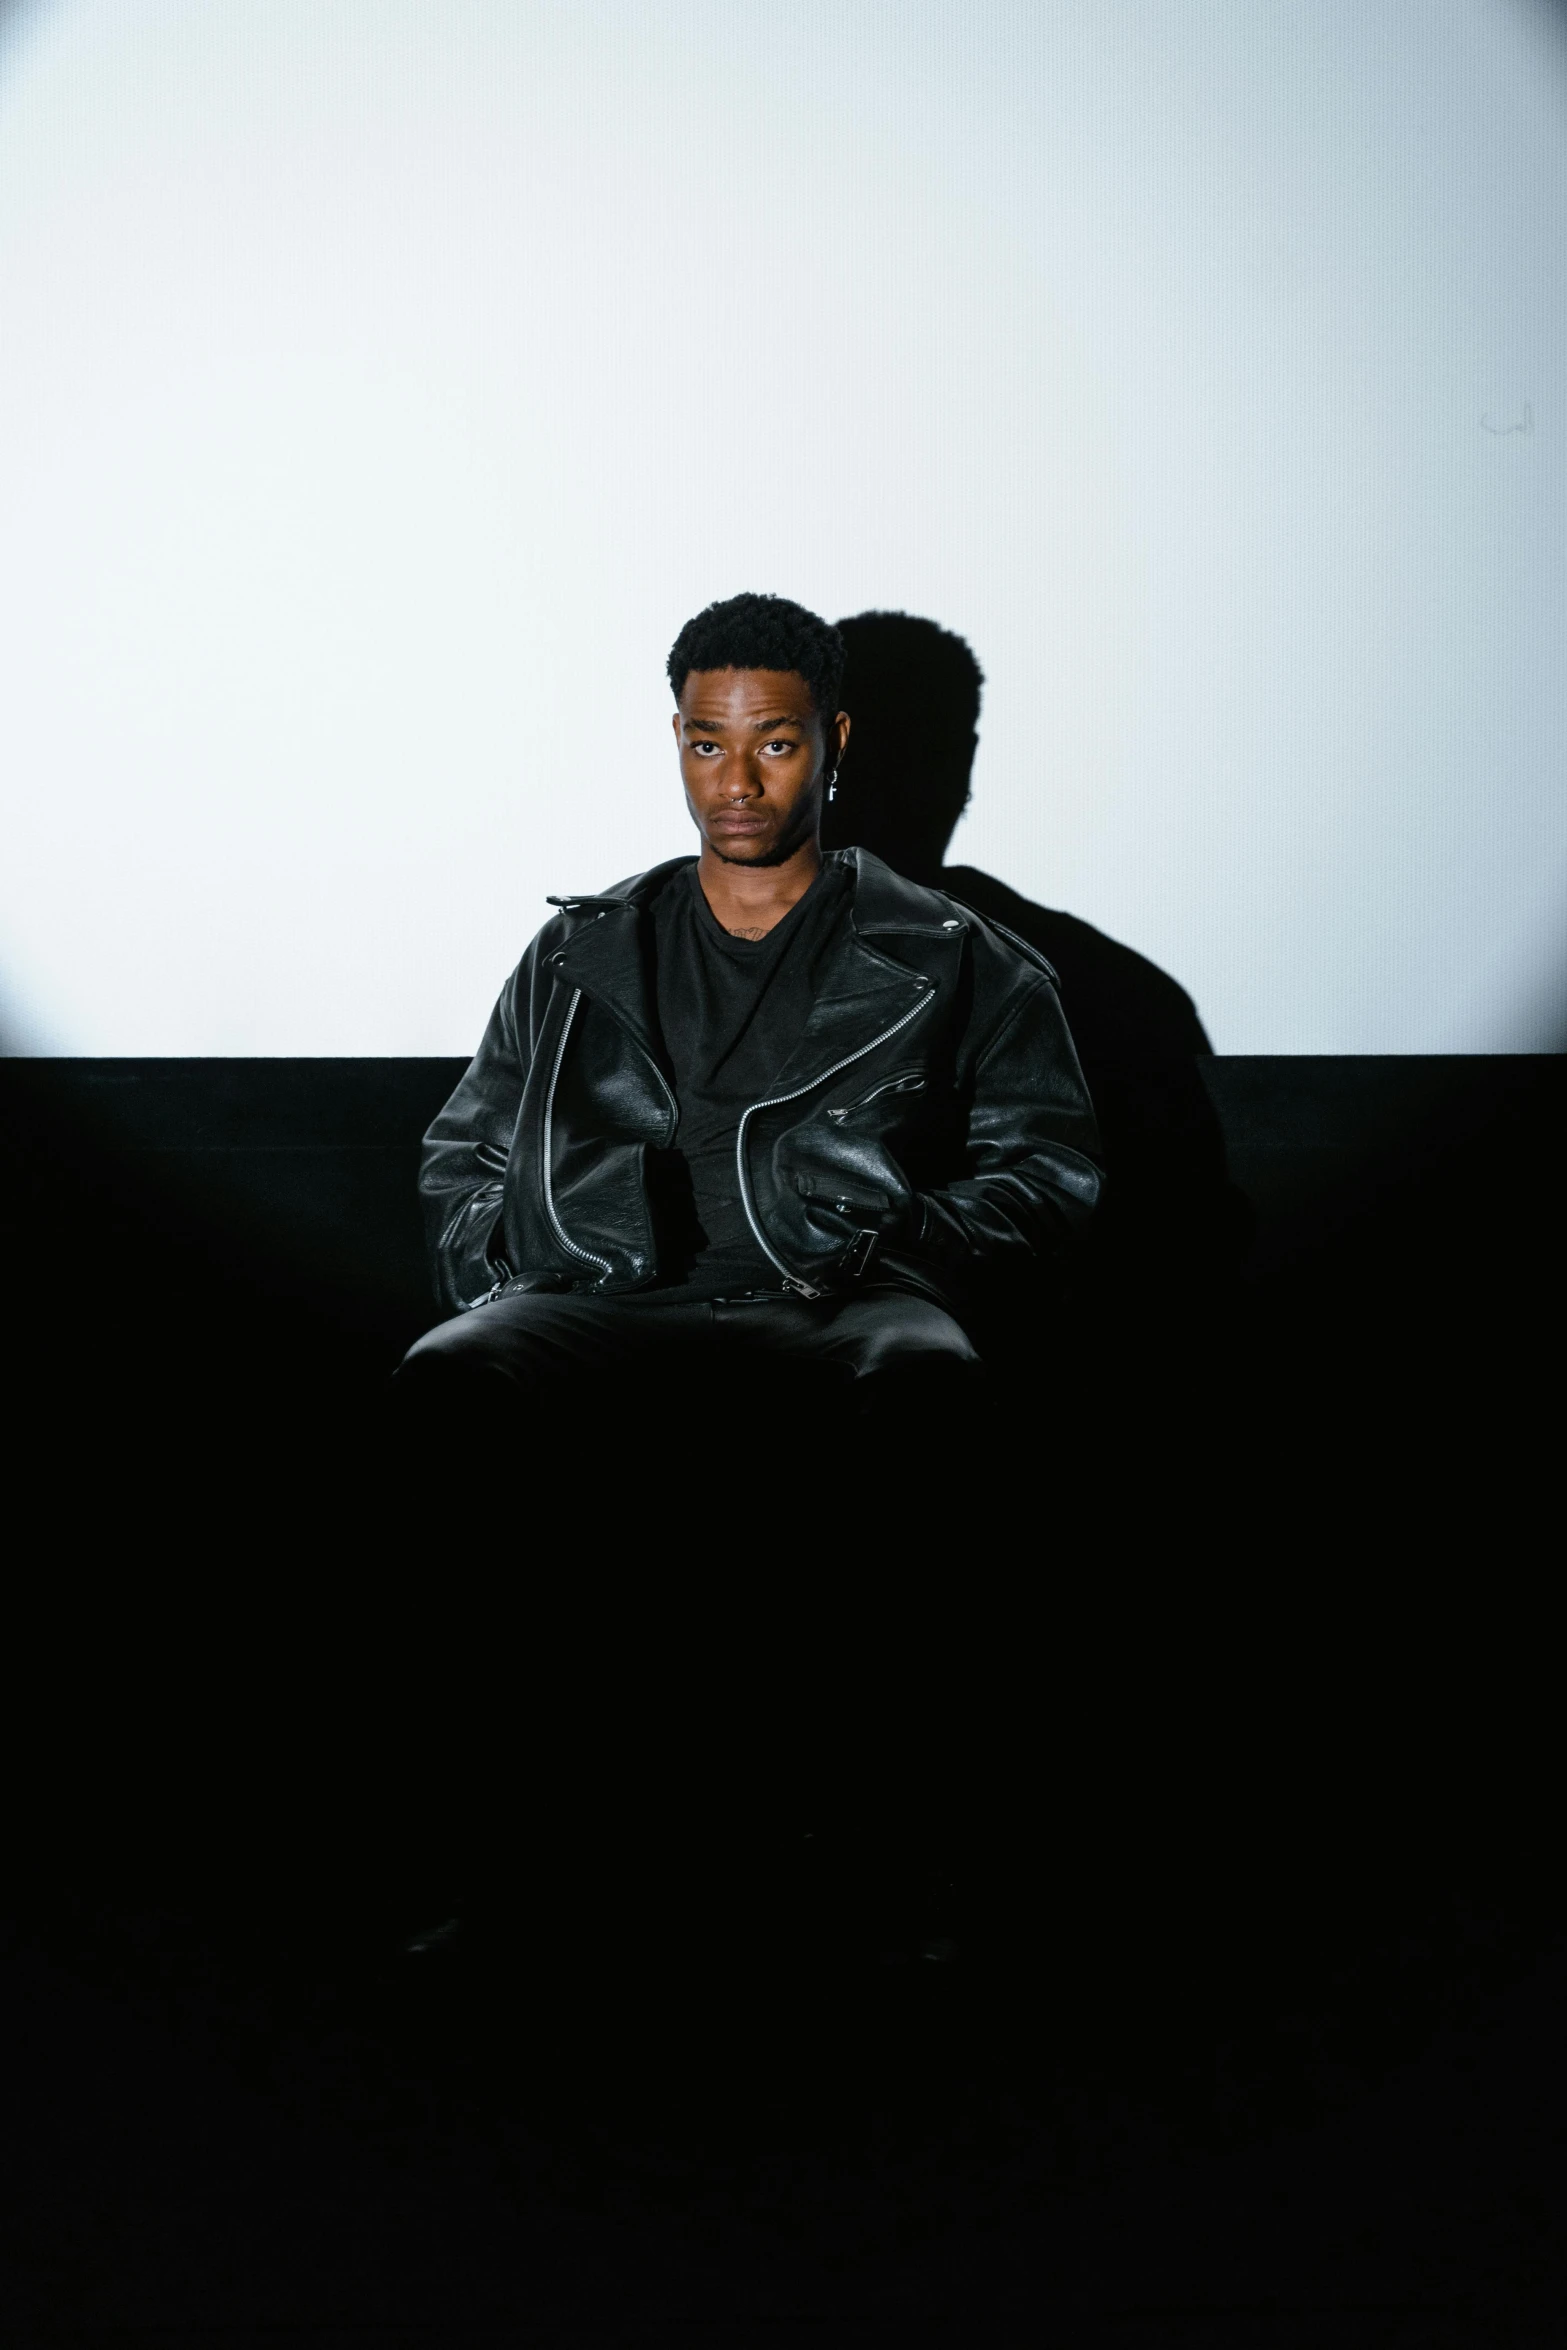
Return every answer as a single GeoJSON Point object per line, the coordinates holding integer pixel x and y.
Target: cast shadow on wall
{"type": "Point", "coordinates": [1170, 1216]}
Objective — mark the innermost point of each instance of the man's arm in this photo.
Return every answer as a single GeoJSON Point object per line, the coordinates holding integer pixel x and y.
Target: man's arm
{"type": "Point", "coordinates": [1032, 1145]}
{"type": "Point", "coordinates": [462, 1172]}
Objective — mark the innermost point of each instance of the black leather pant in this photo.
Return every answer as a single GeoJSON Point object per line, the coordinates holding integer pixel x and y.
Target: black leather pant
{"type": "Point", "coordinates": [668, 1555]}
{"type": "Point", "coordinates": [875, 1338]}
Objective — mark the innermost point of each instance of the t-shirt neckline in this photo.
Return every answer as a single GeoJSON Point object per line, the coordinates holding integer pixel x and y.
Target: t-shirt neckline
{"type": "Point", "coordinates": [749, 950]}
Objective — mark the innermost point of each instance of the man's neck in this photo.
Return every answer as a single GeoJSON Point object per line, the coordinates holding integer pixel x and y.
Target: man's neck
{"type": "Point", "coordinates": [751, 900]}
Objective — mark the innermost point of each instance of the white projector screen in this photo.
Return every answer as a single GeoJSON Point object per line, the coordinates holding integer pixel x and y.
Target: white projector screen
{"type": "Point", "coordinates": [382, 383]}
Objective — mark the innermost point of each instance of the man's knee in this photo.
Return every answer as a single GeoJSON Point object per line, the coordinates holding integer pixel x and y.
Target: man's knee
{"type": "Point", "coordinates": [901, 1337]}
{"type": "Point", "coordinates": [540, 1343]}
{"type": "Point", "coordinates": [458, 1350]}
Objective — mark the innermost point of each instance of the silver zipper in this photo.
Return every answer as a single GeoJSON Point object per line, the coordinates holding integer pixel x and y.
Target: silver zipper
{"type": "Point", "coordinates": [776, 1102]}
{"type": "Point", "coordinates": [586, 1254]}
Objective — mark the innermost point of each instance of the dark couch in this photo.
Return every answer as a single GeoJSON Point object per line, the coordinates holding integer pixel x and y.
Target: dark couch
{"type": "Point", "coordinates": [294, 1179]}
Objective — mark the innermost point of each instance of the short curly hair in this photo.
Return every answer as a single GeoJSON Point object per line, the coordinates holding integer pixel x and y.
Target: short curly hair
{"type": "Point", "coordinates": [762, 632]}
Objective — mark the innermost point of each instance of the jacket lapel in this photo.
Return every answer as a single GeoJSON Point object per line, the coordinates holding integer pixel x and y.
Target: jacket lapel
{"type": "Point", "coordinates": [865, 992]}
{"type": "Point", "coordinates": [609, 955]}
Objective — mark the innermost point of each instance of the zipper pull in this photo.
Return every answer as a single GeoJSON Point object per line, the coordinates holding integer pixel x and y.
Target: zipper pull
{"type": "Point", "coordinates": [858, 1254]}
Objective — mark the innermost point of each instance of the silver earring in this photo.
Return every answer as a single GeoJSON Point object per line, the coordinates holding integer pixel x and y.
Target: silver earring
{"type": "Point", "coordinates": [832, 785]}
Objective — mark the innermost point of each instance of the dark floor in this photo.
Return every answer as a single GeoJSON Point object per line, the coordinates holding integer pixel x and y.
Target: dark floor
{"type": "Point", "coordinates": [1234, 1837]}
{"type": "Point", "coordinates": [201, 2156]}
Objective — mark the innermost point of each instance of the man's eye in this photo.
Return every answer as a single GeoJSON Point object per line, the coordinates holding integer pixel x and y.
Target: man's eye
{"type": "Point", "coordinates": [778, 743]}
{"type": "Point", "coordinates": [699, 748]}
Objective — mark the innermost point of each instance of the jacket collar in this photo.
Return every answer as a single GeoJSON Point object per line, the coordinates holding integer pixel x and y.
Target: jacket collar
{"type": "Point", "coordinates": [608, 953]}
{"type": "Point", "coordinates": [881, 899]}
{"type": "Point", "coordinates": [884, 901]}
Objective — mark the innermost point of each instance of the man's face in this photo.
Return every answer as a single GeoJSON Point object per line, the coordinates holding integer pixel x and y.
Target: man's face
{"type": "Point", "coordinates": [752, 756]}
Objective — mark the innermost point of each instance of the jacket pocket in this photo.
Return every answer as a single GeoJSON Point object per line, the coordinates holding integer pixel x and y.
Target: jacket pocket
{"type": "Point", "coordinates": [910, 1082]}
{"type": "Point", "coordinates": [845, 1199]}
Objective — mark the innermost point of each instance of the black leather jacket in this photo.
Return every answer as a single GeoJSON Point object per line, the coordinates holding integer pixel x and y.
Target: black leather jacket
{"type": "Point", "coordinates": [932, 1121]}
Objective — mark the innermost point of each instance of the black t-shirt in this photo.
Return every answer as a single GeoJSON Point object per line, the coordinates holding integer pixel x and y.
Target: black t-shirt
{"type": "Point", "coordinates": [731, 1010]}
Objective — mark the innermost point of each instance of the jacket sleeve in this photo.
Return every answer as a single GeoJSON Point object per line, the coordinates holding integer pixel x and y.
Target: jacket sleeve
{"type": "Point", "coordinates": [1032, 1150]}
{"type": "Point", "coordinates": [462, 1170]}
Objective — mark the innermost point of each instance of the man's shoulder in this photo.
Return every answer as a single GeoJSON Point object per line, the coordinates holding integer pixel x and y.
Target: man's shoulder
{"type": "Point", "coordinates": [638, 889]}
{"type": "Point", "coordinates": [887, 903]}
{"type": "Point", "coordinates": [576, 909]}
{"type": "Point", "coordinates": [886, 900]}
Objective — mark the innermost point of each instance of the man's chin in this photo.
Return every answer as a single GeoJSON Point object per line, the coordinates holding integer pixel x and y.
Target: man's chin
{"type": "Point", "coordinates": [749, 849]}
{"type": "Point", "coordinates": [756, 849]}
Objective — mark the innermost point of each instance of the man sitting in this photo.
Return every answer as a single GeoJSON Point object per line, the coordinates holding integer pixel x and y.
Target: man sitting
{"type": "Point", "coordinates": [762, 1104]}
